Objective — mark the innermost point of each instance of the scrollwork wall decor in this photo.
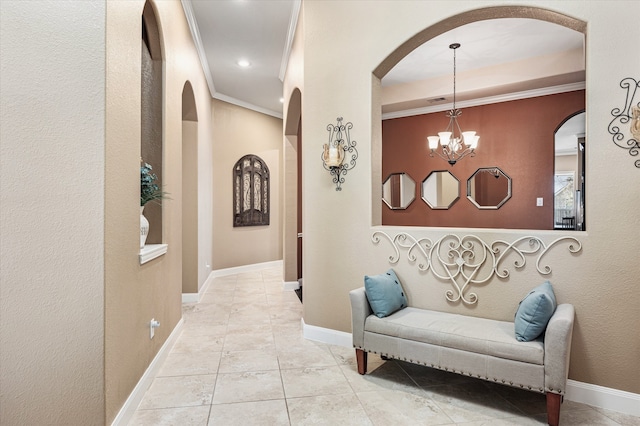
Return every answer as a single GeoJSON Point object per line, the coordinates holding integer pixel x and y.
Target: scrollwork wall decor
{"type": "Point", "coordinates": [334, 153]}
{"type": "Point", "coordinates": [629, 114]}
{"type": "Point", "coordinates": [468, 260]}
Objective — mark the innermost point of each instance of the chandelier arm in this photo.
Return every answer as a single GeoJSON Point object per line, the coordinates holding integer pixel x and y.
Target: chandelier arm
{"type": "Point", "coordinates": [453, 147]}
{"type": "Point", "coordinates": [458, 113]}
{"type": "Point", "coordinates": [439, 154]}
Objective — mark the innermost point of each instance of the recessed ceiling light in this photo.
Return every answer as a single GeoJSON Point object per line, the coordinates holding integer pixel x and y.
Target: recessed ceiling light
{"type": "Point", "coordinates": [243, 63]}
{"type": "Point", "coordinates": [281, 100]}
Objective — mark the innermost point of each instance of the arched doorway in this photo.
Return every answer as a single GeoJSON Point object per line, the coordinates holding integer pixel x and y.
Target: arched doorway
{"type": "Point", "coordinates": [569, 177]}
{"type": "Point", "coordinates": [190, 282]}
{"type": "Point", "coordinates": [292, 238]}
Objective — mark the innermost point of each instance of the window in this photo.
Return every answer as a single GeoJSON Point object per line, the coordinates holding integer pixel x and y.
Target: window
{"type": "Point", "coordinates": [564, 200]}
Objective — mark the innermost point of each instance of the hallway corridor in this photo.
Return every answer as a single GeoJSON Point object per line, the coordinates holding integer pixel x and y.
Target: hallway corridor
{"type": "Point", "coordinates": [241, 360]}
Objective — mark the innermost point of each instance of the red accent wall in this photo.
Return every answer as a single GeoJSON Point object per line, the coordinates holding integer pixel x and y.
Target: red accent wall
{"type": "Point", "coordinates": [516, 136]}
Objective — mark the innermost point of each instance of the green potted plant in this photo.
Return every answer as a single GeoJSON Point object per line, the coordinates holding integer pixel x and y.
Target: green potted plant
{"type": "Point", "coordinates": [150, 191]}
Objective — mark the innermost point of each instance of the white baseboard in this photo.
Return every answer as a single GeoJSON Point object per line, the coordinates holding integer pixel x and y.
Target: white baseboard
{"type": "Point", "coordinates": [195, 297]}
{"type": "Point", "coordinates": [584, 393]}
{"type": "Point", "coordinates": [246, 268]}
{"type": "Point", "coordinates": [326, 335]}
{"type": "Point", "coordinates": [191, 297]}
{"type": "Point", "coordinates": [131, 404]}
{"type": "Point", "coordinates": [608, 398]}
{"type": "Point", "coordinates": [290, 285]}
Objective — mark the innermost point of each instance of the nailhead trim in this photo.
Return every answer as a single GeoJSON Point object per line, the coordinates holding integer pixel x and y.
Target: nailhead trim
{"type": "Point", "coordinates": [495, 379]}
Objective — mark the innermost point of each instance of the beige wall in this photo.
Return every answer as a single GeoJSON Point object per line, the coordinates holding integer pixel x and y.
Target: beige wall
{"type": "Point", "coordinates": [76, 303]}
{"type": "Point", "coordinates": [601, 281]}
{"type": "Point", "coordinates": [293, 105]}
{"type": "Point", "coordinates": [190, 283]}
{"type": "Point", "coordinates": [135, 294]}
{"type": "Point", "coordinates": [52, 212]}
{"type": "Point", "coordinates": [238, 132]}
{"type": "Point", "coordinates": [566, 163]}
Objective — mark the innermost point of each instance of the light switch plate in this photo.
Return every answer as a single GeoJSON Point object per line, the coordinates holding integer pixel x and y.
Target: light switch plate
{"type": "Point", "coordinates": [539, 202]}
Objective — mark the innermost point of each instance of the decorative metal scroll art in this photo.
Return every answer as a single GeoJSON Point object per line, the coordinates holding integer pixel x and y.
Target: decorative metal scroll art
{"type": "Point", "coordinates": [468, 260]}
{"type": "Point", "coordinates": [250, 192]}
{"type": "Point", "coordinates": [629, 114]}
{"type": "Point", "coordinates": [335, 153]}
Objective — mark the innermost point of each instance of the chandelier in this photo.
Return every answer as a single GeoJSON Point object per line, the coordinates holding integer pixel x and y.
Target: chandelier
{"type": "Point", "coordinates": [454, 144]}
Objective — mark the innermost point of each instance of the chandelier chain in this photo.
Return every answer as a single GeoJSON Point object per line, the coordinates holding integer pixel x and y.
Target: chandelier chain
{"type": "Point", "coordinates": [454, 77]}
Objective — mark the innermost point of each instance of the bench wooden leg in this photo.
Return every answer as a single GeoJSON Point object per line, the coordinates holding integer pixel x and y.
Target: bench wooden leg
{"type": "Point", "coordinates": [553, 408]}
{"type": "Point", "coordinates": [361, 359]}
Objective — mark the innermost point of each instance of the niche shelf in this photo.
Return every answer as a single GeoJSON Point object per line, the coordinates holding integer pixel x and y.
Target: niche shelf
{"type": "Point", "coordinates": [152, 251]}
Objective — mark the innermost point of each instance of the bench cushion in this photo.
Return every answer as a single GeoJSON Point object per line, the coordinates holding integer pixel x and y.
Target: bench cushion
{"type": "Point", "coordinates": [534, 312]}
{"type": "Point", "coordinates": [479, 335]}
{"type": "Point", "coordinates": [384, 293]}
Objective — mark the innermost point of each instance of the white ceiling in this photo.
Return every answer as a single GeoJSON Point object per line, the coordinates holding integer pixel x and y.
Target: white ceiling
{"type": "Point", "coordinates": [261, 31]}
{"type": "Point", "coordinates": [484, 44]}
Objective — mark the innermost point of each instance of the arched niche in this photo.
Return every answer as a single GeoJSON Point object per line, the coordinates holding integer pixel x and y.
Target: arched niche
{"type": "Point", "coordinates": [189, 110]}
{"type": "Point", "coordinates": [190, 280]}
{"type": "Point", "coordinates": [151, 114]}
{"type": "Point", "coordinates": [435, 30]}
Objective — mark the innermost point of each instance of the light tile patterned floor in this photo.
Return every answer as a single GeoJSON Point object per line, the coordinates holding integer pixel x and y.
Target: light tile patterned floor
{"type": "Point", "coordinates": [241, 360]}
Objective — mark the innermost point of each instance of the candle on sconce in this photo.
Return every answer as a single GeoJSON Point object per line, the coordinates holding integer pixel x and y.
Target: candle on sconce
{"type": "Point", "coordinates": [332, 155]}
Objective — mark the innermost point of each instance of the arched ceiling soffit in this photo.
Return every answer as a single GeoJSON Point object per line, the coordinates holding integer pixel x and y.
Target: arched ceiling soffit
{"type": "Point", "coordinates": [406, 91]}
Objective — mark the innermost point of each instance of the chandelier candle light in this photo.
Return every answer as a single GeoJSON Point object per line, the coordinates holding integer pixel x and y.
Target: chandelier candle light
{"type": "Point", "coordinates": [454, 143]}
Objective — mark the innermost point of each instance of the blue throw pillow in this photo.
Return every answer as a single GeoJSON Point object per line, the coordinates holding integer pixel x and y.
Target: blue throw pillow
{"type": "Point", "coordinates": [534, 312]}
{"type": "Point", "coordinates": [384, 293]}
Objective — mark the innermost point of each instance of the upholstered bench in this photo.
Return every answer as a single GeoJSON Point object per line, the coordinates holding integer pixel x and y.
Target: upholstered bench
{"type": "Point", "coordinates": [477, 347]}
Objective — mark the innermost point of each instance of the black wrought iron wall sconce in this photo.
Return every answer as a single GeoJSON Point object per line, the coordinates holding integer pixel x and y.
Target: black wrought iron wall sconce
{"type": "Point", "coordinates": [629, 114]}
{"type": "Point", "coordinates": [335, 153]}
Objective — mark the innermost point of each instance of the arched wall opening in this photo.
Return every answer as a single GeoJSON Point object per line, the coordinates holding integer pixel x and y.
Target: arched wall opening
{"type": "Point", "coordinates": [292, 239]}
{"type": "Point", "coordinates": [189, 191]}
{"type": "Point", "coordinates": [151, 114]}
{"type": "Point", "coordinates": [569, 173]}
{"type": "Point", "coordinates": [444, 26]}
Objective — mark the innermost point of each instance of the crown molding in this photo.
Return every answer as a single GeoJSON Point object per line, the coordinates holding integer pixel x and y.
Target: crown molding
{"type": "Point", "coordinates": [291, 32]}
{"type": "Point", "coordinates": [197, 41]}
{"type": "Point", "coordinates": [552, 90]}
{"type": "Point", "coordinates": [243, 104]}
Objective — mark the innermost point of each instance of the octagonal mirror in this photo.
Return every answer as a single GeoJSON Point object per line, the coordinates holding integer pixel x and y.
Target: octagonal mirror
{"type": "Point", "coordinates": [440, 190]}
{"type": "Point", "coordinates": [489, 188]}
{"type": "Point", "coordinates": [398, 191]}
